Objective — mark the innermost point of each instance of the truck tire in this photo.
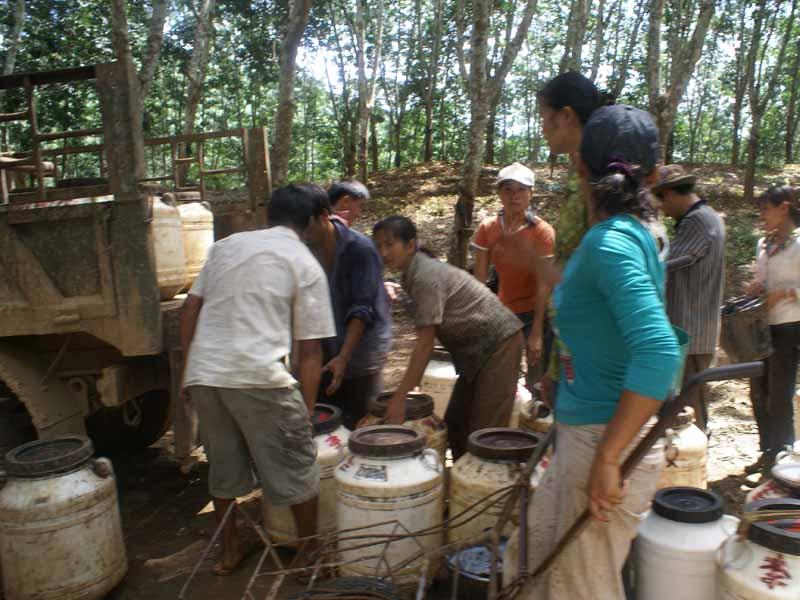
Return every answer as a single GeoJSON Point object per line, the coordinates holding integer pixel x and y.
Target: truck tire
{"type": "Point", "coordinates": [133, 426]}
{"type": "Point", "coordinates": [16, 427]}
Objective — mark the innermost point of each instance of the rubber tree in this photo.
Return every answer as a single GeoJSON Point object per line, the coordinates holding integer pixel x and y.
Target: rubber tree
{"type": "Point", "coordinates": [297, 19]}
{"type": "Point", "coordinates": [483, 89]}
{"type": "Point", "coordinates": [684, 49]}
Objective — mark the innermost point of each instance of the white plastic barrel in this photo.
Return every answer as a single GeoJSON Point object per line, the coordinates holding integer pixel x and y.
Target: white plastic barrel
{"type": "Point", "coordinates": [420, 417]}
{"type": "Point", "coordinates": [390, 484]}
{"type": "Point", "coordinates": [168, 249]}
{"type": "Point", "coordinates": [330, 439]}
{"type": "Point", "coordinates": [60, 529]}
{"type": "Point", "coordinates": [197, 229]}
{"type": "Point", "coordinates": [493, 462]}
{"type": "Point", "coordinates": [783, 483]}
{"type": "Point", "coordinates": [535, 417]}
{"type": "Point", "coordinates": [686, 453]}
{"type": "Point", "coordinates": [765, 564]}
{"type": "Point", "coordinates": [439, 379]}
{"type": "Point", "coordinates": [676, 547]}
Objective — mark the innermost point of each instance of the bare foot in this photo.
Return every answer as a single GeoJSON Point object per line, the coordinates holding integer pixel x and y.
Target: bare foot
{"type": "Point", "coordinates": [231, 561]}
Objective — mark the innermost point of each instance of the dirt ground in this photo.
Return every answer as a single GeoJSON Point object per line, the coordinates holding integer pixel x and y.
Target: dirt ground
{"type": "Point", "coordinates": [166, 515]}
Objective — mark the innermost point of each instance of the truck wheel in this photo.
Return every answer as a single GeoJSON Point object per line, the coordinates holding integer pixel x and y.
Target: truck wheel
{"type": "Point", "coordinates": [16, 427]}
{"type": "Point", "coordinates": [134, 426]}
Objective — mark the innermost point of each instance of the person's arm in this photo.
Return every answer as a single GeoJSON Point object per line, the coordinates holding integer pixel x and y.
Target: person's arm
{"type": "Point", "coordinates": [689, 246]}
{"type": "Point", "coordinates": [338, 364]}
{"type": "Point", "coordinates": [309, 370]}
{"type": "Point", "coordinates": [420, 356]}
{"type": "Point", "coordinates": [631, 294]}
{"type": "Point", "coordinates": [481, 265]}
{"type": "Point", "coordinates": [364, 270]}
{"type": "Point", "coordinates": [190, 312]}
{"type": "Point", "coordinates": [759, 284]}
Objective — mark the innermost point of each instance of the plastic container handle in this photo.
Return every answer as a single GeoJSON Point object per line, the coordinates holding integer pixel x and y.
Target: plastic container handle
{"type": "Point", "coordinates": [430, 459]}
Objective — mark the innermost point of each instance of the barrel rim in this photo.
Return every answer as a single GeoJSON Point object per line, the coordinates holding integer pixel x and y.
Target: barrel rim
{"type": "Point", "coordinates": [684, 504]}
{"type": "Point", "coordinates": [773, 534]}
{"type": "Point", "coordinates": [332, 423]}
{"type": "Point", "coordinates": [360, 444]}
{"type": "Point", "coordinates": [418, 405]}
{"type": "Point", "coordinates": [441, 354]}
{"type": "Point", "coordinates": [478, 444]}
{"type": "Point", "coordinates": [22, 462]}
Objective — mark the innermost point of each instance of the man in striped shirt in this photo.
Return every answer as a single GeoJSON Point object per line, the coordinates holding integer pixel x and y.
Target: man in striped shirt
{"type": "Point", "coordinates": [695, 273]}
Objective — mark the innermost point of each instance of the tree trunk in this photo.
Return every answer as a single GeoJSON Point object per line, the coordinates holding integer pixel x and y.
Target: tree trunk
{"type": "Point", "coordinates": [13, 38]}
{"type": "Point", "coordinates": [430, 87]}
{"type": "Point", "coordinates": [622, 76]}
{"type": "Point", "coordinates": [155, 39]}
{"type": "Point", "coordinates": [196, 73]}
{"type": "Point", "coordinates": [374, 154]}
{"type": "Point", "coordinates": [684, 53]}
{"type": "Point", "coordinates": [599, 38]}
{"type": "Point", "coordinates": [491, 130]}
{"type": "Point", "coordinates": [479, 110]}
{"type": "Point", "coordinates": [740, 87]}
{"type": "Point", "coordinates": [791, 109]}
{"type": "Point", "coordinates": [756, 79]}
{"type": "Point", "coordinates": [284, 115]}
{"type": "Point", "coordinates": [576, 32]}
{"type": "Point", "coordinates": [366, 85]}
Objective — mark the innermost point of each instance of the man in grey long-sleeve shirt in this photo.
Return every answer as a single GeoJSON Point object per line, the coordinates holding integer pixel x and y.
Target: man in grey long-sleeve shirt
{"type": "Point", "coordinates": [695, 273]}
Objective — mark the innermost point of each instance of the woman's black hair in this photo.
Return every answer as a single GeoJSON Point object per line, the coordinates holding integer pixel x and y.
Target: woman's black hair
{"type": "Point", "coordinates": [576, 91]}
{"type": "Point", "coordinates": [401, 228]}
{"type": "Point", "coordinates": [623, 191]}
{"type": "Point", "coordinates": [778, 194]}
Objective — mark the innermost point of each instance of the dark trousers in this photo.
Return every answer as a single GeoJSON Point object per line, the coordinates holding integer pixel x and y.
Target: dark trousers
{"type": "Point", "coordinates": [487, 400]}
{"type": "Point", "coordinates": [354, 396]}
{"type": "Point", "coordinates": [772, 395]}
{"type": "Point", "coordinates": [698, 397]}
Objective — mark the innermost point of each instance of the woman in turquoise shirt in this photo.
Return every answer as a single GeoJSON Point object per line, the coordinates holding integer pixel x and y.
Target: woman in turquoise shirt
{"type": "Point", "coordinates": [618, 363]}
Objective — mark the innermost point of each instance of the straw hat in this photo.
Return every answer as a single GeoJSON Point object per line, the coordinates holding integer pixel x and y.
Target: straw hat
{"type": "Point", "coordinates": [670, 176]}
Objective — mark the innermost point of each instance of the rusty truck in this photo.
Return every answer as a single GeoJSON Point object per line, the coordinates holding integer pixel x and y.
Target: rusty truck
{"type": "Point", "coordinates": [86, 343]}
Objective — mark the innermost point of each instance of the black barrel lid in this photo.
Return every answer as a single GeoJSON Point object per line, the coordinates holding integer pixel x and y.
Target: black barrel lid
{"type": "Point", "coordinates": [49, 457]}
{"type": "Point", "coordinates": [440, 353]}
{"type": "Point", "coordinates": [782, 535]}
{"type": "Point", "coordinates": [418, 406]}
{"type": "Point", "coordinates": [502, 443]}
{"type": "Point", "coordinates": [688, 505]}
{"type": "Point", "coordinates": [326, 418]}
{"type": "Point", "coordinates": [385, 441]}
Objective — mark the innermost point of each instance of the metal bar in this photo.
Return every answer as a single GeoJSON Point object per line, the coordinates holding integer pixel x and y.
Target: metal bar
{"type": "Point", "coordinates": [15, 116]}
{"type": "Point", "coordinates": [17, 80]}
{"type": "Point", "coordinates": [188, 159]}
{"type": "Point", "coordinates": [54, 194]}
{"type": "Point", "coordinates": [250, 583]}
{"type": "Point", "coordinates": [191, 188]}
{"type": "Point", "coordinates": [161, 178]}
{"type": "Point", "coordinates": [214, 537]}
{"type": "Point", "coordinates": [63, 135]}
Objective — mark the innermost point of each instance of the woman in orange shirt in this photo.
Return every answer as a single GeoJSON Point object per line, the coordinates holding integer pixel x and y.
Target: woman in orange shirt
{"type": "Point", "coordinates": [497, 242]}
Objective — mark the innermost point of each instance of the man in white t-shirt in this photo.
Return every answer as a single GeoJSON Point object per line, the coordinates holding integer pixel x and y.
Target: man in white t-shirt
{"type": "Point", "coordinates": [259, 293]}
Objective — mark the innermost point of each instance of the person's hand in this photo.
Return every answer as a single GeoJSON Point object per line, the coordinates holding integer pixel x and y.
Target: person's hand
{"type": "Point", "coordinates": [546, 390]}
{"type": "Point", "coordinates": [396, 411]}
{"type": "Point", "coordinates": [754, 288]}
{"type": "Point", "coordinates": [391, 290]}
{"type": "Point", "coordinates": [605, 488]}
{"type": "Point", "coordinates": [336, 366]}
{"type": "Point", "coordinates": [534, 348]}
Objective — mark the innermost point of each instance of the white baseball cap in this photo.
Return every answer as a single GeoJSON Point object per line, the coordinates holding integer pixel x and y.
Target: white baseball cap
{"type": "Point", "coordinates": [516, 172]}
